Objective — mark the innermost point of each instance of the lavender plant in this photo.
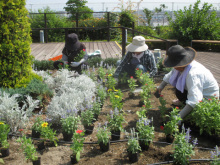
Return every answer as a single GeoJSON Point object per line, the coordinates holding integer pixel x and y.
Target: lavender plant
{"type": "Point", "coordinates": [115, 120]}
{"type": "Point", "coordinates": [183, 149]}
{"type": "Point", "coordinates": [133, 144]}
{"type": "Point", "coordinates": [103, 134]}
{"type": "Point", "coordinates": [145, 130]}
{"type": "Point", "coordinates": [70, 123]}
{"type": "Point", "coordinates": [142, 112]}
{"type": "Point", "coordinates": [215, 155]}
{"type": "Point", "coordinates": [162, 107]}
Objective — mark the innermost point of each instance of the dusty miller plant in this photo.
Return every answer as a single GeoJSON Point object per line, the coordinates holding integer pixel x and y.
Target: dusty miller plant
{"type": "Point", "coordinates": [14, 115]}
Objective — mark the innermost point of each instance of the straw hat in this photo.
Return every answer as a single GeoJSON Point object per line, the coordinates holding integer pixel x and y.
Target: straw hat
{"type": "Point", "coordinates": [177, 56]}
{"type": "Point", "coordinates": [137, 45]}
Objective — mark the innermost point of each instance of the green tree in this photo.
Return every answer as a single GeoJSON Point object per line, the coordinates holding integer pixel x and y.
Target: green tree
{"type": "Point", "coordinates": [15, 40]}
{"type": "Point", "coordinates": [126, 18]}
{"type": "Point", "coordinates": [195, 23]}
{"type": "Point", "coordinates": [74, 6]}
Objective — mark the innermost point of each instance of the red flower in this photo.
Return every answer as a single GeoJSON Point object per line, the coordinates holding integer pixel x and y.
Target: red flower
{"type": "Point", "coordinates": [61, 63]}
{"type": "Point", "coordinates": [137, 69]}
{"type": "Point", "coordinates": [20, 130]}
{"type": "Point", "coordinates": [146, 84]}
{"type": "Point", "coordinates": [84, 50]}
{"type": "Point", "coordinates": [131, 76]}
{"type": "Point", "coordinates": [143, 106]}
{"type": "Point", "coordinates": [79, 131]}
{"type": "Point", "coordinates": [200, 101]}
{"type": "Point", "coordinates": [209, 99]}
{"type": "Point", "coordinates": [177, 108]}
{"type": "Point", "coordinates": [161, 127]}
{"type": "Point", "coordinates": [161, 95]}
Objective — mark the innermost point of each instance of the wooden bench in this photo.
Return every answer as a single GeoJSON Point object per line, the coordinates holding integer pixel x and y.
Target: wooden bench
{"type": "Point", "coordinates": [159, 40]}
{"type": "Point", "coordinates": [205, 41]}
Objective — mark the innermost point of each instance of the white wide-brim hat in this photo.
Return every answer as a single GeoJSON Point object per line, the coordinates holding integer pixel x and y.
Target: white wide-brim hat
{"type": "Point", "coordinates": [137, 45]}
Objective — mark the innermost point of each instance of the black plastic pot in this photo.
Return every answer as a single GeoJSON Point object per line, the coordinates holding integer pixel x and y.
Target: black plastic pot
{"type": "Point", "coordinates": [115, 135]}
{"type": "Point", "coordinates": [5, 152]}
{"type": "Point", "coordinates": [41, 145]}
{"type": "Point", "coordinates": [133, 157]}
{"type": "Point", "coordinates": [131, 95]}
{"type": "Point", "coordinates": [169, 138]}
{"type": "Point", "coordinates": [88, 129]}
{"type": "Point", "coordinates": [73, 159]}
{"type": "Point", "coordinates": [143, 145]}
{"type": "Point", "coordinates": [104, 147]}
{"type": "Point", "coordinates": [67, 137]}
{"type": "Point", "coordinates": [35, 134]}
{"type": "Point", "coordinates": [37, 162]}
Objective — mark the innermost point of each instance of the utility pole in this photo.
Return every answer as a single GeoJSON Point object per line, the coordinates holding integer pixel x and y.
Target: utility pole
{"type": "Point", "coordinates": [172, 9]}
{"type": "Point", "coordinates": [103, 6]}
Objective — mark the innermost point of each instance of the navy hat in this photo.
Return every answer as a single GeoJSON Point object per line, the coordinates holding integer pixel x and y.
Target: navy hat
{"type": "Point", "coordinates": [72, 42]}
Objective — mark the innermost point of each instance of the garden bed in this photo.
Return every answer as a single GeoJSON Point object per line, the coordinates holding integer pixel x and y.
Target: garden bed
{"type": "Point", "coordinates": [159, 150]}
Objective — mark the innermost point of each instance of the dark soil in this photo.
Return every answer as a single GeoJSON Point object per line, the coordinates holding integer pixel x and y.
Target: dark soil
{"type": "Point", "coordinates": [159, 150]}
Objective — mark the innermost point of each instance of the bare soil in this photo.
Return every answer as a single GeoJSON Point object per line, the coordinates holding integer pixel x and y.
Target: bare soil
{"type": "Point", "coordinates": [159, 150]}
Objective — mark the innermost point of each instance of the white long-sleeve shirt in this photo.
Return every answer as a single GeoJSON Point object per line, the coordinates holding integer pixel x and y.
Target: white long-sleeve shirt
{"type": "Point", "coordinates": [200, 83]}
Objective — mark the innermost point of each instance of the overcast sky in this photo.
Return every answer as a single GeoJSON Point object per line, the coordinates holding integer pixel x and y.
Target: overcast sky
{"type": "Point", "coordinates": [114, 5]}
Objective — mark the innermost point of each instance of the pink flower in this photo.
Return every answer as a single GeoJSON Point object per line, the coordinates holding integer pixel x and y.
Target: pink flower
{"type": "Point", "coordinates": [79, 131]}
{"type": "Point", "coordinates": [131, 76]}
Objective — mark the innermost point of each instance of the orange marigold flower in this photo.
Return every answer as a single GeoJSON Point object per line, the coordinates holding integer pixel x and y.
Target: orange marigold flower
{"type": "Point", "coordinates": [79, 131]}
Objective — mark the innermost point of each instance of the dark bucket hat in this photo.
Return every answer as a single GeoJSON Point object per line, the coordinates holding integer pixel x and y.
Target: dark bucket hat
{"type": "Point", "coordinates": [72, 42]}
{"type": "Point", "coordinates": [177, 56]}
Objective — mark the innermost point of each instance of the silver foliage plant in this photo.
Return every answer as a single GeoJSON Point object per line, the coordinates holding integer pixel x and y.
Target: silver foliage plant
{"type": "Point", "coordinates": [70, 92]}
{"type": "Point", "coordinates": [14, 115]}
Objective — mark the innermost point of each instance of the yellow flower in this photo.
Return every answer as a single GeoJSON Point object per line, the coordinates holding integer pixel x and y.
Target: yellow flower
{"type": "Point", "coordinates": [1, 123]}
{"type": "Point", "coordinates": [110, 75]}
{"type": "Point", "coordinates": [116, 90]}
{"type": "Point", "coordinates": [44, 124]}
{"type": "Point", "coordinates": [109, 90]}
{"type": "Point", "coordinates": [116, 96]}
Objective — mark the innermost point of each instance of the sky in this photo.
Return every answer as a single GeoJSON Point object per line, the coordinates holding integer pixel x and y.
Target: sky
{"type": "Point", "coordinates": [115, 5]}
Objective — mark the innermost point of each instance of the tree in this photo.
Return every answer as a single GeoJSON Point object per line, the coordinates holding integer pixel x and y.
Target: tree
{"type": "Point", "coordinates": [15, 40]}
{"type": "Point", "coordinates": [195, 23]}
{"type": "Point", "coordinates": [75, 6]}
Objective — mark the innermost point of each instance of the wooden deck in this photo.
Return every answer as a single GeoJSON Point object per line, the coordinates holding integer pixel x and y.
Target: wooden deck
{"type": "Point", "coordinates": [46, 51]}
{"type": "Point", "coordinates": [210, 60]}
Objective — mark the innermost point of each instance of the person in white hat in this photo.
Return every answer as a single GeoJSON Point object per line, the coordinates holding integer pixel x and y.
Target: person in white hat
{"type": "Point", "coordinates": [138, 56]}
{"type": "Point", "coordinates": [192, 80]}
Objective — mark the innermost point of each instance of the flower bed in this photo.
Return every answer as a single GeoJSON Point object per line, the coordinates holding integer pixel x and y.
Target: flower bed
{"type": "Point", "coordinates": [159, 150]}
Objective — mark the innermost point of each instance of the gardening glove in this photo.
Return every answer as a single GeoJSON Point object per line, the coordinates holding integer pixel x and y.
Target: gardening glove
{"type": "Point", "coordinates": [185, 111]}
{"type": "Point", "coordinates": [75, 64]}
{"type": "Point", "coordinates": [82, 61]}
{"type": "Point", "coordinates": [162, 85]}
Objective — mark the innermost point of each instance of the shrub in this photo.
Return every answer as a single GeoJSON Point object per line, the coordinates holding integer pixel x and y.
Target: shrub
{"type": "Point", "coordinates": [43, 65]}
{"type": "Point", "coordinates": [195, 23]}
{"type": "Point", "coordinates": [15, 59]}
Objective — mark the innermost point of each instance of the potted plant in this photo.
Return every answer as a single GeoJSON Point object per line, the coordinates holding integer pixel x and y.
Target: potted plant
{"type": "Point", "coordinates": [133, 147]}
{"type": "Point", "coordinates": [115, 121]}
{"type": "Point", "coordinates": [4, 145]}
{"type": "Point", "coordinates": [69, 126]}
{"type": "Point", "coordinates": [48, 134]}
{"type": "Point", "coordinates": [116, 99]}
{"type": "Point", "coordinates": [96, 107]}
{"type": "Point", "coordinates": [103, 136]}
{"type": "Point", "coordinates": [36, 127]}
{"type": "Point", "coordinates": [29, 150]}
{"type": "Point", "coordinates": [77, 146]}
{"type": "Point", "coordinates": [87, 119]}
{"type": "Point", "coordinates": [132, 85]}
{"type": "Point", "coordinates": [171, 127]}
{"type": "Point", "coordinates": [146, 132]}
{"type": "Point", "coordinates": [101, 94]}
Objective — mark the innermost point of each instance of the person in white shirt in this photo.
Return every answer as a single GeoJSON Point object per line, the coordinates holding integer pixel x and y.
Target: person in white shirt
{"type": "Point", "coordinates": [192, 80]}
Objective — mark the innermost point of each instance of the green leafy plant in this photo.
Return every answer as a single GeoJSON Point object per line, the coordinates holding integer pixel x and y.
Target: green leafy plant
{"type": "Point", "coordinates": [206, 116]}
{"type": "Point", "coordinates": [43, 65]}
{"type": "Point", "coordinates": [28, 148]}
{"type": "Point", "coordinates": [37, 126]}
{"type": "Point", "coordinates": [96, 106]}
{"type": "Point", "coordinates": [132, 84]}
{"type": "Point", "coordinates": [123, 78]}
{"type": "Point", "coordinates": [115, 120]}
{"type": "Point", "coordinates": [70, 123]}
{"type": "Point", "coordinates": [146, 132]}
{"type": "Point", "coordinates": [77, 145]}
{"type": "Point", "coordinates": [145, 96]}
{"type": "Point", "coordinates": [142, 112]}
{"type": "Point", "coordinates": [101, 94]}
{"type": "Point", "coordinates": [80, 55]}
{"type": "Point", "coordinates": [133, 144]}
{"type": "Point", "coordinates": [171, 127]}
{"type": "Point", "coordinates": [101, 73]}
{"type": "Point", "coordinates": [183, 149]}
{"type": "Point", "coordinates": [87, 117]}
{"type": "Point", "coordinates": [162, 107]}
{"type": "Point", "coordinates": [103, 134]}
{"type": "Point", "coordinates": [5, 144]}
{"type": "Point", "coordinates": [111, 82]}
{"type": "Point", "coordinates": [48, 134]}
{"type": "Point", "coordinates": [4, 130]}
{"type": "Point", "coordinates": [116, 99]}
{"type": "Point", "coordinates": [216, 156]}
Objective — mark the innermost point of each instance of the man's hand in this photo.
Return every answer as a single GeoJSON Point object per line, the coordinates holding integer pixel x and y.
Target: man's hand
{"type": "Point", "coordinates": [75, 64]}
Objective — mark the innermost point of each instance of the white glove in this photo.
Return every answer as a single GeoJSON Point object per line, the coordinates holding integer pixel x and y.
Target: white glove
{"type": "Point", "coordinates": [75, 64]}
